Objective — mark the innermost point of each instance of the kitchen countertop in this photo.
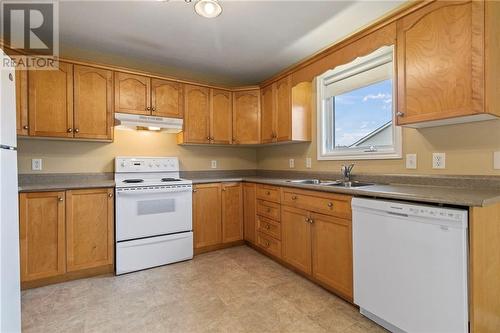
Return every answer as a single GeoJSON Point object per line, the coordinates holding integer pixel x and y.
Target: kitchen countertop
{"type": "Point", "coordinates": [422, 193]}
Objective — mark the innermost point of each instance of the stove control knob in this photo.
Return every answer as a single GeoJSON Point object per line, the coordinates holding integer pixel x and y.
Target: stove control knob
{"type": "Point", "coordinates": [123, 164]}
{"type": "Point", "coordinates": [150, 165]}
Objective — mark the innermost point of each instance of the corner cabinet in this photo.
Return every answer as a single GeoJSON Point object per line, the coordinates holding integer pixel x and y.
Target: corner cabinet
{"type": "Point", "coordinates": [447, 56]}
{"type": "Point", "coordinates": [65, 235]}
{"type": "Point", "coordinates": [246, 117]}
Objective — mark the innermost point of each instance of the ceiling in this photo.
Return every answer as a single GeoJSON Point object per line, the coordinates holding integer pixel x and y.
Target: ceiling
{"type": "Point", "coordinates": [249, 42]}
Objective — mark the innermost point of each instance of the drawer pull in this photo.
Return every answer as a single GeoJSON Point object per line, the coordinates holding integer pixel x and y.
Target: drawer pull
{"type": "Point", "coordinates": [294, 197]}
{"type": "Point", "coordinates": [60, 199]}
{"type": "Point", "coordinates": [330, 204]}
{"type": "Point", "coordinates": [110, 195]}
{"type": "Point", "coordinates": [267, 226]}
{"type": "Point", "coordinates": [267, 244]}
{"type": "Point", "coordinates": [268, 193]}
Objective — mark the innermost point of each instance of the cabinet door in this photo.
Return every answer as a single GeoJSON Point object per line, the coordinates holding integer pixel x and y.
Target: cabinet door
{"type": "Point", "coordinates": [296, 238]}
{"type": "Point", "coordinates": [332, 252]}
{"type": "Point", "coordinates": [221, 116]}
{"type": "Point", "coordinates": [440, 61]}
{"type": "Point", "coordinates": [132, 93]}
{"type": "Point", "coordinates": [93, 98]}
{"type": "Point", "coordinates": [268, 119]}
{"type": "Point", "coordinates": [249, 211]}
{"type": "Point", "coordinates": [232, 212]}
{"type": "Point", "coordinates": [197, 114]}
{"type": "Point", "coordinates": [22, 102]}
{"type": "Point", "coordinates": [167, 98]}
{"type": "Point", "coordinates": [89, 228]}
{"type": "Point", "coordinates": [42, 235]}
{"type": "Point", "coordinates": [246, 117]}
{"type": "Point", "coordinates": [50, 101]}
{"type": "Point", "coordinates": [284, 109]}
{"type": "Point", "coordinates": [207, 224]}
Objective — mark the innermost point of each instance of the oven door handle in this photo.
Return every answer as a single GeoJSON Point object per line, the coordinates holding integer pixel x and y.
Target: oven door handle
{"type": "Point", "coordinates": [152, 191]}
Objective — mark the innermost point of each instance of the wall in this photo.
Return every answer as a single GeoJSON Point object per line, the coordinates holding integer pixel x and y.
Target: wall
{"type": "Point", "coordinates": [469, 151]}
{"type": "Point", "coordinates": [69, 156]}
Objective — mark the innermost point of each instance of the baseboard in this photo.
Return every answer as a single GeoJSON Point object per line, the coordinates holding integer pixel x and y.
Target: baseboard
{"type": "Point", "coordinates": [218, 247]}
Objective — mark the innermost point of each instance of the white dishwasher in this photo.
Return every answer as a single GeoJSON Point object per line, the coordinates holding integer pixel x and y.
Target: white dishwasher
{"type": "Point", "coordinates": [410, 265]}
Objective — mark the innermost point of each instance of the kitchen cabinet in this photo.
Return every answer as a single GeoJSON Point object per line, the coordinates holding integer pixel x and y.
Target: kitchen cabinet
{"type": "Point", "coordinates": [89, 228]}
{"type": "Point", "coordinates": [65, 235]}
{"type": "Point", "coordinates": [332, 252]}
{"type": "Point", "coordinates": [93, 103]}
{"type": "Point", "coordinates": [445, 72]}
{"type": "Point", "coordinates": [286, 112]}
{"type": "Point", "coordinates": [221, 117]}
{"type": "Point", "coordinates": [246, 117]}
{"type": "Point", "coordinates": [249, 212]}
{"type": "Point", "coordinates": [132, 93]}
{"type": "Point", "coordinates": [196, 115]}
{"type": "Point", "coordinates": [167, 98]}
{"type": "Point", "coordinates": [232, 212]}
{"type": "Point", "coordinates": [207, 218]}
{"type": "Point", "coordinates": [50, 102]}
{"type": "Point", "coordinates": [296, 238]}
{"type": "Point", "coordinates": [42, 235]}
{"type": "Point", "coordinates": [22, 102]}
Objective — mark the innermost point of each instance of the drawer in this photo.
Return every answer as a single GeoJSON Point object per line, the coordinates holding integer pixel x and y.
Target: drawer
{"type": "Point", "coordinates": [269, 227]}
{"type": "Point", "coordinates": [268, 209]}
{"type": "Point", "coordinates": [327, 203]}
{"type": "Point", "coordinates": [269, 244]}
{"type": "Point", "coordinates": [269, 193]}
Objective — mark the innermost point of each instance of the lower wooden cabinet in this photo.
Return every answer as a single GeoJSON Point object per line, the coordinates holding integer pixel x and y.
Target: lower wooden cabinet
{"type": "Point", "coordinates": [232, 212]}
{"type": "Point", "coordinates": [89, 229]}
{"type": "Point", "coordinates": [217, 215]}
{"type": "Point", "coordinates": [332, 252]}
{"type": "Point", "coordinates": [249, 212]}
{"type": "Point", "coordinates": [296, 238]}
{"type": "Point", "coordinates": [64, 235]}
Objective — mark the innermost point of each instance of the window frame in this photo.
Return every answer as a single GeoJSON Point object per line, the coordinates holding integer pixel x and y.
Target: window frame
{"type": "Point", "coordinates": [325, 114]}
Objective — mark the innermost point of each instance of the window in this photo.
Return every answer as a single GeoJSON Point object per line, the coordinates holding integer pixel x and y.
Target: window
{"type": "Point", "coordinates": [356, 109]}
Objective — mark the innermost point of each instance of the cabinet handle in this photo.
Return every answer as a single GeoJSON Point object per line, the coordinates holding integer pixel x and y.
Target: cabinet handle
{"type": "Point", "coordinates": [294, 197]}
{"type": "Point", "coordinates": [194, 190]}
{"type": "Point", "coordinates": [212, 138]}
{"type": "Point", "coordinates": [60, 198]}
{"type": "Point", "coordinates": [268, 193]}
{"type": "Point", "coordinates": [77, 130]}
{"type": "Point", "coordinates": [25, 127]}
{"type": "Point", "coordinates": [400, 114]}
{"type": "Point", "coordinates": [110, 195]}
{"type": "Point", "coordinates": [330, 204]}
{"type": "Point", "coordinates": [70, 130]}
{"type": "Point", "coordinates": [267, 226]}
{"type": "Point", "coordinates": [153, 109]}
{"type": "Point", "coordinates": [267, 244]}
{"type": "Point", "coordinates": [311, 221]}
{"type": "Point", "coordinates": [208, 138]}
{"type": "Point", "coordinates": [223, 190]}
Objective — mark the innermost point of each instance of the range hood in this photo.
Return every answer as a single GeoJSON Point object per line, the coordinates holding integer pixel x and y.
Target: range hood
{"type": "Point", "coordinates": [170, 125]}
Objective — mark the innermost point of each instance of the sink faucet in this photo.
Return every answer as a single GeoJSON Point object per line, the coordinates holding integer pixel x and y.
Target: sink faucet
{"type": "Point", "coordinates": [346, 172]}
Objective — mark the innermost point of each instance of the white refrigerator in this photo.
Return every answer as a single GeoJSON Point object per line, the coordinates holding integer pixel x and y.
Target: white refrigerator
{"type": "Point", "coordinates": [10, 294]}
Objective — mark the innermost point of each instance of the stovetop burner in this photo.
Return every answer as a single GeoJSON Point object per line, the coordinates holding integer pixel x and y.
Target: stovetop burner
{"type": "Point", "coordinates": [170, 180]}
{"type": "Point", "coordinates": [132, 181]}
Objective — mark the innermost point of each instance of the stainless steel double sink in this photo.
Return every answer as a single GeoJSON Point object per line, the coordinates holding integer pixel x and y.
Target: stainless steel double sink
{"type": "Point", "coordinates": [335, 183]}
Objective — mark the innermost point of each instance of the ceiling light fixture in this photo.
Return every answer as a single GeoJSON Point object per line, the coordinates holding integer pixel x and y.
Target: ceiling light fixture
{"type": "Point", "coordinates": [208, 8]}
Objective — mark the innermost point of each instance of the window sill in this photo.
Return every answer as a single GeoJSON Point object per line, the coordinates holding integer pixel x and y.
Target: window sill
{"type": "Point", "coordinates": [371, 156]}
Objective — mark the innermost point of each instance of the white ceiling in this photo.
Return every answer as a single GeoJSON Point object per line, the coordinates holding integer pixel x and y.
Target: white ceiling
{"type": "Point", "coordinates": [249, 42]}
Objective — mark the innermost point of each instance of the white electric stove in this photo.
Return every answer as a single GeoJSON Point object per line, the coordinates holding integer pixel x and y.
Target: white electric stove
{"type": "Point", "coordinates": [153, 213]}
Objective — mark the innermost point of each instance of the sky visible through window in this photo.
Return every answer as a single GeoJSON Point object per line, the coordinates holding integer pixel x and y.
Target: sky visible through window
{"type": "Point", "coordinates": [361, 111]}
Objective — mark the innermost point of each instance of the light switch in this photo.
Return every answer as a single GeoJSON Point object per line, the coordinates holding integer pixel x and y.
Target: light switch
{"type": "Point", "coordinates": [213, 164]}
{"type": "Point", "coordinates": [496, 160]}
{"type": "Point", "coordinates": [411, 161]}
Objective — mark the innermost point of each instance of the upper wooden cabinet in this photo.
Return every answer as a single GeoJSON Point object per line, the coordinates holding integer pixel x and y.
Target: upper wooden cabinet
{"type": "Point", "coordinates": [207, 223]}
{"type": "Point", "coordinates": [89, 228]}
{"type": "Point", "coordinates": [221, 116]}
{"type": "Point", "coordinates": [93, 103]}
{"type": "Point", "coordinates": [50, 102]}
{"type": "Point", "coordinates": [446, 54]}
{"type": "Point", "coordinates": [232, 212]}
{"type": "Point", "coordinates": [286, 112]}
{"type": "Point", "coordinates": [167, 98]}
{"type": "Point", "coordinates": [196, 115]}
{"type": "Point", "coordinates": [22, 102]}
{"type": "Point", "coordinates": [246, 117]}
{"type": "Point", "coordinates": [42, 235]}
{"type": "Point", "coordinates": [132, 93]}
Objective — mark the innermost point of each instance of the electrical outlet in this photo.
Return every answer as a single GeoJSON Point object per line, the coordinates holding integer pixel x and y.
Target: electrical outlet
{"type": "Point", "coordinates": [291, 163]}
{"type": "Point", "coordinates": [36, 164]}
{"type": "Point", "coordinates": [308, 163]}
{"type": "Point", "coordinates": [411, 161]}
{"type": "Point", "coordinates": [438, 160]}
{"type": "Point", "coordinates": [496, 160]}
{"type": "Point", "coordinates": [213, 164]}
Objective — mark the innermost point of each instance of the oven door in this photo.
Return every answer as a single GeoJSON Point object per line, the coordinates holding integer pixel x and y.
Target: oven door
{"type": "Point", "coordinates": [147, 212]}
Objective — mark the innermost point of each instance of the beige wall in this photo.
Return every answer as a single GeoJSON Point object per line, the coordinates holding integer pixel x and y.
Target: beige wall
{"type": "Point", "coordinates": [469, 151]}
{"type": "Point", "coordinates": [70, 156]}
